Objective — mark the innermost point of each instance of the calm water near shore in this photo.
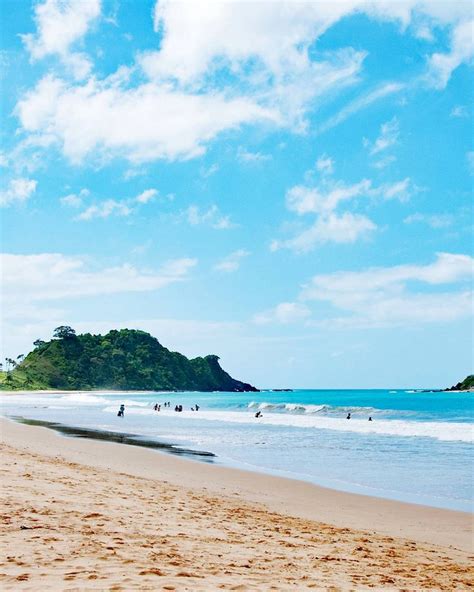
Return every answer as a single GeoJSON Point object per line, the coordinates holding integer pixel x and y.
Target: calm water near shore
{"type": "Point", "coordinates": [418, 447]}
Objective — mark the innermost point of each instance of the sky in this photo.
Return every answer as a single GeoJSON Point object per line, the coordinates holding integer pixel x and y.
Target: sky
{"type": "Point", "coordinates": [286, 185]}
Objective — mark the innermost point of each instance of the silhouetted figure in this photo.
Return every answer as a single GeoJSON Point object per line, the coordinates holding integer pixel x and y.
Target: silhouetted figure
{"type": "Point", "coordinates": [180, 408]}
{"type": "Point", "coordinates": [176, 408]}
{"type": "Point", "coordinates": [155, 406]}
{"type": "Point", "coordinates": [196, 407]}
{"type": "Point", "coordinates": [121, 411]}
{"type": "Point", "coordinates": [348, 416]}
{"type": "Point", "coordinates": [258, 414]}
{"type": "Point", "coordinates": [370, 419]}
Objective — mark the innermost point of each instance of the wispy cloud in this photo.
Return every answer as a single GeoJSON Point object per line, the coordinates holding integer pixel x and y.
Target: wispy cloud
{"type": "Point", "coordinates": [362, 102]}
{"type": "Point", "coordinates": [211, 217]}
{"type": "Point", "coordinates": [75, 200]}
{"type": "Point", "coordinates": [113, 207]}
{"type": "Point", "coordinates": [432, 220]}
{"type": "Point", "coordinates": [248, 157]}
{"type": "Point", "coordinates": [232, 262]}
{"type": "Point", "coordinates": [388, 137]}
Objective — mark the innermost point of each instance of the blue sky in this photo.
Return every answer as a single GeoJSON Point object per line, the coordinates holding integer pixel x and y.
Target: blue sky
{"type": "Point", "coordinates": [288, 185]}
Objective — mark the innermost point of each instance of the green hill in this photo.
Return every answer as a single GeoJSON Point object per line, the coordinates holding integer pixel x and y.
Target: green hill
{"type": "Point", "coordinates": [466, 385]}
{"type": "Point", "coordinates": [121, 360]}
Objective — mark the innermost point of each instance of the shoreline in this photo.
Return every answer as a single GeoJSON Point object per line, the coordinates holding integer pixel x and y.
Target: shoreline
{"type": "Point", "coordinates": [91, 515]}
{"type": "Point", "coordinates": [290, 497]}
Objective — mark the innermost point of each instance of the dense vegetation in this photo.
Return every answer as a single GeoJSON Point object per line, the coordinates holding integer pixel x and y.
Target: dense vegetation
{"type": "Point", "coordinates": [466, 385]}
{"type": "Point", "coordinates": [125, 359]}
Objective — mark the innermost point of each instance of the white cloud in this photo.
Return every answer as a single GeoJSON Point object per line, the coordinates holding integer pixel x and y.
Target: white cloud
{"type": "Point", "coordinates": [146, 196]}
{"type": "Point", "coordinates": [325, 165]}
{"type": "Point", "coordinates": [18, 191]}
{"type": "Point", "coordinates": [362, 102]}
{"type": "Point", "coordinates": [74, 200]}
{"type": "Point", "coordinates": [442, 65]}
{"type": "Point", "coordinates": [53, 276]}
{"type": "Point", "coordinates": [232, 262]}
{"type": "Point", "coordinates": [389, 134]}
{"type": "Point", "coordinates": [331, 225]}
{"type": "Point", "coordinates": [105, 209]}
{"type": "Point", "coordinates": [60, 24]}
{"type": "Point", "coordinates": [284, 313]}
{"type": "Point", "coordinates": [387, 296]}
{"type": "Point", "coordinates": [343, 229]}
{"type": "Point", "coordinates": [212, 217]}
{"type": "Point", "coordinates": [142, 124]}
{"type": "Point", "coordinates": [112, 207]}
{"type": "Point", "coordinates": [304, 200]}
{"type": "Point", "coordinates": [245, 156]}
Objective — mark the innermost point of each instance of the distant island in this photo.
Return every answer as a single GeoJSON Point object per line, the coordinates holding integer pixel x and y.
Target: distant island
{"type": "Point", "coordinates": [125, 359]}
{"type": "Point", "coordinates": [466, 385]}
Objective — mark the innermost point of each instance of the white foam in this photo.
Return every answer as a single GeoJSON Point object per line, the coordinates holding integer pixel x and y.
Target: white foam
{"type": "Point", "coordinates": [446, 431]}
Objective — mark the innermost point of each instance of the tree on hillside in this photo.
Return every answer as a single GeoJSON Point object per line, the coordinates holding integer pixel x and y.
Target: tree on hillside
{"type": "Point", "coordinates": [38, 342]}
{"type": "Point", "coordinates": [20, 358]}
{"type": "Point", "coordinates": [64, 332]}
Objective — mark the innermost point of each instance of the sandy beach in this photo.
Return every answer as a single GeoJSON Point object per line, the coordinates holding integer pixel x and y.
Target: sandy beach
{"type": "Point", "coordinates": [85, 515]}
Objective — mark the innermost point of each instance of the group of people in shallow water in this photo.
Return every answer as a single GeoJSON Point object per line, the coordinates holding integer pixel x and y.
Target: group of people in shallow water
{"type": "Point", "coordinates": [157, 407]}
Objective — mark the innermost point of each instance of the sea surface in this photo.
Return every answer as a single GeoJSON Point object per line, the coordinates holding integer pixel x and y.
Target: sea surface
{"type": "Point", "coordinates": [417, 448]}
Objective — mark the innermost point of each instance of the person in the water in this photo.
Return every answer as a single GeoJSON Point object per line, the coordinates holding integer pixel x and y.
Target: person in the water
{"type": "Point", "coordinates": [121, 411]}
{"type": "Point", "coordinates": [348, 416]}
{"type": "Point", "coordinates": [370, 418]}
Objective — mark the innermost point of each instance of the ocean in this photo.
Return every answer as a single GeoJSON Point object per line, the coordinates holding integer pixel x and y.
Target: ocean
{"type": "Point", "coordinates": [417, 448]}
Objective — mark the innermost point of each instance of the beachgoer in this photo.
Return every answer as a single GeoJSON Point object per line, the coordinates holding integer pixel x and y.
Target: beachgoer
{"type": "Point", "coordinates": [180, 407]}
{"type": "Point", "coordinates": [370, 419]}
{"type": "Point", "coordinates": [155, 406]}
{"type": "Point", "coordinates": [348, 416]}
{"type": "Point", "coordinates": [121, 411]}
{"type": "Point", "coordinates": [176, 408]}
{"type": "Point", "coordinates": [258, 414]}
{"type": "Point", "coordinates": [197, 407]}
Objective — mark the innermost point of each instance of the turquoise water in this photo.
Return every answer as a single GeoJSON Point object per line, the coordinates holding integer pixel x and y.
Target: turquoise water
{"type": "Point", "coordinates": [418, 447]}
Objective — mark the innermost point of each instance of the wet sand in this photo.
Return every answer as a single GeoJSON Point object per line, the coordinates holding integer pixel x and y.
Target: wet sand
{"type": "Point", "coordinates": [81, 514]}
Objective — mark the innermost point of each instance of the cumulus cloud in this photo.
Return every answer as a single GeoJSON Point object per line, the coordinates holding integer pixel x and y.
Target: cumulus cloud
{"type": "Point", "coordinates": [330, 224]}
{"type": "Point", "coordinates": [398, 295]}
{"type": "Point", "coordinates": [144, 123]}
{"type": "Point", "coordinates": [18, 191]}
{"type": "Point", "coordinates": [284, 313]}
{"type": "Point", "coordinates": [442, 65]}
{"type": "Point", "coordinates": [61, 24]}
{"type": "Point", "coordinates": [232, 262]}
